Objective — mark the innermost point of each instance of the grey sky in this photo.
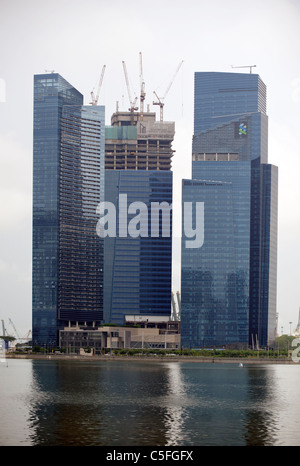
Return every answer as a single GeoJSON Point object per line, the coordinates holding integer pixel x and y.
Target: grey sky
{"type": "Point", "coordinates": [76, 38]}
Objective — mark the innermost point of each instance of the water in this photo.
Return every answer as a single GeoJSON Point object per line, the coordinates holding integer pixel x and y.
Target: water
{"type": "Point", "coordinates": [135, 403]}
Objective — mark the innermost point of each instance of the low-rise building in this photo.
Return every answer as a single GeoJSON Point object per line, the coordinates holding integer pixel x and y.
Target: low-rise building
{"type": "Point", "coordinates": [143, 333]}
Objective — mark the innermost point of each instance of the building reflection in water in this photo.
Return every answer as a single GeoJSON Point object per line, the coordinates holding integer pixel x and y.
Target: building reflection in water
{"type": "Point", "coordinates": [176, 403]}
{"type": "Point", "coordinates": [121, 403]}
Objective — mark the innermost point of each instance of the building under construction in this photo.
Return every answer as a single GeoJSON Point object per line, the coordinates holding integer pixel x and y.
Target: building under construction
{"type": "Point", "coordinates": [138, 267]}
{"type": "Point", "coordinates": [136, 141]}
{"type": "Point", "coordinates": [138, 270]}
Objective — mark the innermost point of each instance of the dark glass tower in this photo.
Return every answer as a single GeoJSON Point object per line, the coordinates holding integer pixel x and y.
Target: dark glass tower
{"type": "Point", "coordinates": [229, 284]}
{"type": "Point", "coordinates": [138, 270]}
{"type": "Point", "coordinates": [68, 184]}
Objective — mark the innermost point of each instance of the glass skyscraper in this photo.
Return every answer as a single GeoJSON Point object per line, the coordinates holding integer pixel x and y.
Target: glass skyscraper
{"type": "Point", "coordinates": [138, 270]}
{"type": "Point", "coordinates": [68, 184]}
{"type": "Point", "coordinates": [228, 288]}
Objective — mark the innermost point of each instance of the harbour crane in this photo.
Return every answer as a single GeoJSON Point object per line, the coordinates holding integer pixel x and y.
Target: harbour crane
{"type": "Point", "coordinates": [96, 98]}
{"type": "Point", "coordinates": [15, 330]}
{"type": "Point", "coordinates": [246, 66]}
{"type": "Point", "coordinates": [161, 99]}
{"type": "Point", "coordinates": [142, 84]}
{"type": "Point", "coordinates": [3, 329]}
{"type": "Point", "coordinates": [132, 102]}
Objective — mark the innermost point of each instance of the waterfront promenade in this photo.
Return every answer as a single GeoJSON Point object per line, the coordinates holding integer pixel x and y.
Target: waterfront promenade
{"type": "Point", "coordinates": [157, 358]}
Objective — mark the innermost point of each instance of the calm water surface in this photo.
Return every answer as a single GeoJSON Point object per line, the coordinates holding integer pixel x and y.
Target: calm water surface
{"type": "Point", "coordinates": [128, 403]}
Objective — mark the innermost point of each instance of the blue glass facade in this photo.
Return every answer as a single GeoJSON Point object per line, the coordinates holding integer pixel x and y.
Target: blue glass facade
{"type": "Point", "coordinates": [138, 270]}
{"type": "Point", "coordinates": [224, 97]}
{"type": "Point", "coordinates": [66, 172]}
{"type": "Point", "coordinates": [80, 290]}
{"type": "Point", "coordinates": [230, 145]}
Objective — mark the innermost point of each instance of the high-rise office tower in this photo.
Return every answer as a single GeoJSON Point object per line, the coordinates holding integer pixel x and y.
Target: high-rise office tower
{"type": "Point", "coordinates": [68, 184]}
{"type": "Point", "coordinates": [228, 287]}
{"type": "Point", "coordinates": [138, 182]}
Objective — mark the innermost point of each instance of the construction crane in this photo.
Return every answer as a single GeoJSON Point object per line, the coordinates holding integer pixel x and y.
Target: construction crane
{"type": "Point", "coordinates": [161, 99]}
{"type": "Point", "coordinates": [15, 330]}
{"type": "Point", "coordinates": [7, 338]}
{"type": "Point", "coordinates": [3, 329]}
{"type": "Point", "coordinates": [132, 102]}
{"type": "Point", "coordinates": [246, 66]}
{"type": "Point", "coordinates": [96, 98]}
{"type": "Point", "coordinates": [142, 84]}
{"type": "Point", "coordinates": [28, 335]}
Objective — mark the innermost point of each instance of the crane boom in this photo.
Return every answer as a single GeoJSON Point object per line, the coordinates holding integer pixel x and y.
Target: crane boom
{"type": "Point", "coordinates": [96, 98]}
{"type": "Point", "coordinates": [160, 99]}
{"type": "Point", "coordinates": [174, 76]}
{"type": "Point", "coordinates": [15, 330]}
{"type": "Point", "coordinates": [132, 102]}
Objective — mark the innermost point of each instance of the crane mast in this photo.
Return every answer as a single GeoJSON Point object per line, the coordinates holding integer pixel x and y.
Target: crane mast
{"type": "Point", "coordinates": [142, 84]}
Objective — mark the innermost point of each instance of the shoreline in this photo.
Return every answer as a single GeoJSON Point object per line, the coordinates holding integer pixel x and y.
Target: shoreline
{"type": "Point", "coordinates": [166, 358]}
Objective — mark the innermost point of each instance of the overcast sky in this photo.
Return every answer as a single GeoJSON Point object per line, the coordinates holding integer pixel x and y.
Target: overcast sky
{"type": "Point", "coordinates": [76, 38]}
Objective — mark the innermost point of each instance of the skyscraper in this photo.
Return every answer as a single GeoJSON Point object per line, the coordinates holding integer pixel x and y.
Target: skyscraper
{"type": "Point", "coordinates": [68, 184]}
{"type": "Point", "coordinates": [229, 283]}
{"type": "Point", "coordinates": [138, 268]}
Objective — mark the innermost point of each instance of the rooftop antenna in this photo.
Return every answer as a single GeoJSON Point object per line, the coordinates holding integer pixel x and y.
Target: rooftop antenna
{"type": "Point", "coordinates": [96, 98]}
{"type": "Point", "coordinates": [161, 99]}
{"type": "Point", "coordinates": [246, 66]}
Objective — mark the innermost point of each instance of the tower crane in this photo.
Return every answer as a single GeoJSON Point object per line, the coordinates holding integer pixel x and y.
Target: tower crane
{"type": "Point", "coordinates": [246, 66]}
{"type": "Point", "coordinates": [142, 84]}
{"type": "Point", "coordinates": [161, 99]}
{"type": "Point", "coordinates": [96, 98]}
{"type": "Point", "coordinates": [132, 102]}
